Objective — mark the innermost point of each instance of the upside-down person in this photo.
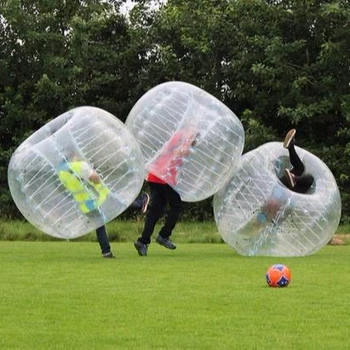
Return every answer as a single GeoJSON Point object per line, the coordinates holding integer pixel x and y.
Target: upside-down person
{"type": "Point", "coordinates": [295, 179]}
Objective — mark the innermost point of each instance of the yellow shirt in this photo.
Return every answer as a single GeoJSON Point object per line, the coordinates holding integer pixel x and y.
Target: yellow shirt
{"type": "Point", "coordinates": [75, 178]}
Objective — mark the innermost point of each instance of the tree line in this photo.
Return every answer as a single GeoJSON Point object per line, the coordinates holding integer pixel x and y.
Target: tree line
{"type": "Point", "coordinates": [277, 64]}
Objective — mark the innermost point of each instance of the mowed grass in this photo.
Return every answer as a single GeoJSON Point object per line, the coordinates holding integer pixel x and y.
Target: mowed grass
{"type": "Point", "coordinates": [63, 295]}
{"type": "Point", "coordinates": [118, 231]}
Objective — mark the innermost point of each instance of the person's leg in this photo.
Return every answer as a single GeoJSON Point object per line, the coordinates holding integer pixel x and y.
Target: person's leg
{"type": "Point", "coordinates": [289, 143]}
{"type": "Point", "coordinates": [295, 179]}
{"type": "Point", "coordinates": [140, 203]}
{"type": "Point", "coordinates": [288, 179]}
{"type": "Point", "coordinates": [156, 210]}
{"type": "Point", "coordinates": [103, 241]}
{"type": "Point", "coordinates": [298, 166]}
{"type": "Point", "coordinates": [303, 183]}
{"type": "Point", "coordinates": [175, 205]}
{"type": "Point", "coordinates": [299, 184]}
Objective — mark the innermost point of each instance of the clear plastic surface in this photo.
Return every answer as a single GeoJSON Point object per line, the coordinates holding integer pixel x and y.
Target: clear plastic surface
{"type": "Point", "coordinates": [100, 142]}
{"type": "Point", "coordinates": [257, 215]}
{"type": "Point", "coordinates": [188, 138]}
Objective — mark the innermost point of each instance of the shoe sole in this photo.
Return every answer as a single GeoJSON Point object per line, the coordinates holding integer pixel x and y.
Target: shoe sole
{"type": "Point", "coordinates": [289, 137]}
{"type": "Point", "coordinates": [162, 244]}
{"type": "Point", "coordinates": [290, 179]}
{"type": "Point", "coordinates": [108, 256]}
{"type": "Point", "coordinates": [144, 208]}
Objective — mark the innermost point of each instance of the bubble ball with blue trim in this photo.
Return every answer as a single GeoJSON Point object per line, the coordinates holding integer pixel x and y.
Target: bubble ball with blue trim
{"type": "Point", "coordinates": [76, 173]}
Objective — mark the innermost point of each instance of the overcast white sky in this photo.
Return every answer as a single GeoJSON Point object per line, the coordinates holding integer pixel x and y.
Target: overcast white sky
{"type": "Point", "coordinates": [130, 4]}
{"type": "Point", "coordinates": [126, 7]}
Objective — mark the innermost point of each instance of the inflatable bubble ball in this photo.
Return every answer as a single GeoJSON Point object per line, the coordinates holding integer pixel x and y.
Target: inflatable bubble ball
{"type": "Point", "coordinates": [76, 173]}
{"type": "Point", "coordinates": [188, 138]}
{"type": "Point", "coordinates": [257, 215]}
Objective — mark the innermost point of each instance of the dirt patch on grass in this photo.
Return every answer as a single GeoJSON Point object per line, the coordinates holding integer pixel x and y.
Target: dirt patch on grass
{"type": "Point", "coordinates": [340, 239]}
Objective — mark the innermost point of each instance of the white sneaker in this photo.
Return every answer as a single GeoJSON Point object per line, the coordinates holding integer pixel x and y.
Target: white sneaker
{"type": "Point", "coordinates": [290, 178]}
{"type": "Point", "coordinates": [289, 138]}
{"type": "Point", "coordinates": [145, 203]}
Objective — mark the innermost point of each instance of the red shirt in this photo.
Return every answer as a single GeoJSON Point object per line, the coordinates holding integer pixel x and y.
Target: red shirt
{"type": "Point", "coordinates": [164, 168]}
{"type": "Point", "coordinates": [152, 178]}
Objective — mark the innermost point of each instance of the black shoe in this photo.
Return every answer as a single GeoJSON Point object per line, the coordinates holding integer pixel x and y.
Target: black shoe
{"type": "Point", "coordinates": [141, 248]}
{"type": "Point", "coordinates": [108, 255]}
{"type": "Point", "coordinates": [166, 242]}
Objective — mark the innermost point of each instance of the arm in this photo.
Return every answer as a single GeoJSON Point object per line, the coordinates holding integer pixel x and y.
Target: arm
{"type": "Point", "coordinates": [94, 177]}
{"type": "Point", "coordinates": [90, 174]}
{"type": "Point", "coordinates": [184, 148]}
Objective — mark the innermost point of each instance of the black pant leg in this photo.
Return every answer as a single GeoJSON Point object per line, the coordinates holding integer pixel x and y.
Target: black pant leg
{"type": "Point", "coordinates": [175, 206]}
{"type": "Point", "coordinates": [103, 239]}
{"type": "Point", "coordinates": [297, 164]}
{"type": "Point", "coordinates": [285, 182]}
{"type": "Point", "coordinates": [137, 203]}
{"type": "Point", "coordinates": [303, 183]}
{"type": "Point", "coordinates": [155, 211]}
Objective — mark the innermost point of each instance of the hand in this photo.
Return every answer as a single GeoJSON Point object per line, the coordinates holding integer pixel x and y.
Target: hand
{"type": "Point", "coordinates": [94, 177]}
{"type": "Point", "coordinates": [181, 152]}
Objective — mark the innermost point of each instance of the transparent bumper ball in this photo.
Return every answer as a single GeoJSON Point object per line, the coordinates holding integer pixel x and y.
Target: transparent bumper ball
{"type": "Point", "coordinates": [188, 138]}
{"type": "Point", "coordinates": [257, 215]}
{"type": "Point", "coordinates": [58, 197]}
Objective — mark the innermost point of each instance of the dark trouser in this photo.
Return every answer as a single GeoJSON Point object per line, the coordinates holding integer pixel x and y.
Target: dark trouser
{"type": "Point", "coordinates": [303, 182]}
{"type": "Point", "coordinates": [297, 164]}
{"type": "Point", "coordinates": [103, 240]}
{"type": "Point", "coordinates": [161, 195]}
{"type": "Point", "coordinates": [137, 203]}
{"type": "Point", "coordinates": [101, 232]}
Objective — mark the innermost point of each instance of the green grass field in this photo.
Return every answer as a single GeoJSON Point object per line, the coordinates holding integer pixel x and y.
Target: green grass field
{"type": "Point", "coordinates": [63, 295]}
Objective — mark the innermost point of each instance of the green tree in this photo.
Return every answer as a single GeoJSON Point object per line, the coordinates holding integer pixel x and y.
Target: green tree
{"type": "Point", "coordinates": [58, 55]}
{"type": "Point", "coordinates": [276, 64]}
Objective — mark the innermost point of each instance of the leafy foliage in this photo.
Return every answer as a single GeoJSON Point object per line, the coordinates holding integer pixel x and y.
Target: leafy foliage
{"type": "Point", "coordinates": [276, 64]}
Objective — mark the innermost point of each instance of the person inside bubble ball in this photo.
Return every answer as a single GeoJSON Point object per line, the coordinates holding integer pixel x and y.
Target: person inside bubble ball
{"type": "Point", "coordinates": [87, 189]}
{"type": "Point", "coordinates": [295, 179]}
{"type": "Point", "coordinates": [276, 207]}
{"type": "Point", "coordinates": [167, 166]}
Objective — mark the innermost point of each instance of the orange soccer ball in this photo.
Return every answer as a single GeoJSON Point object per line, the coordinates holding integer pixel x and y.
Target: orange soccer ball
{"type": "Point", "coordinates": [278, 276]}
